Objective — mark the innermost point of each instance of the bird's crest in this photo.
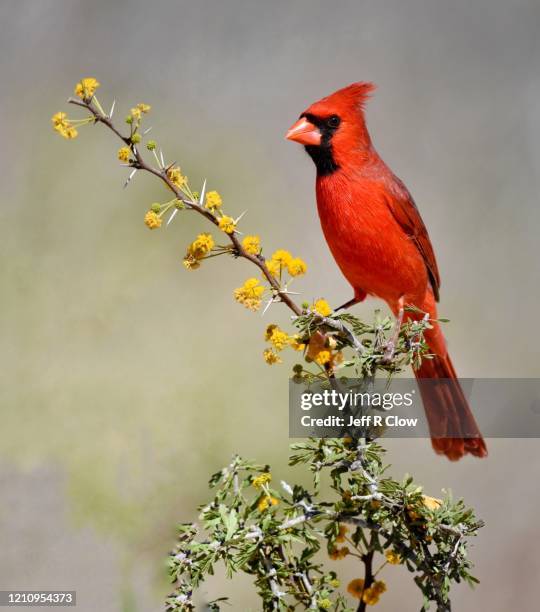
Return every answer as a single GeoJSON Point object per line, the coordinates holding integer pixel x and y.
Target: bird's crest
{"type": "Point", "coordinates": [356, 94]}
{"type": "Point", "coordinates": [351, 98]}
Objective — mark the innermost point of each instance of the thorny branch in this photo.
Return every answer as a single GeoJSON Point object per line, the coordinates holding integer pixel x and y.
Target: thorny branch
{"type": "Point", "coordinates": [140, 164]}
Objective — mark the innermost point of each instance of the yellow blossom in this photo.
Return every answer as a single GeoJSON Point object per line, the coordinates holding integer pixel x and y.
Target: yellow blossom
{"type": "Point", "coordinates": [323, 357]}
{"type": "Point", "coordinates": [277, 337]}
{"type": "Point", "coordinates": [227, 224]}
{"type": "Point", "coordinates": [123, 154]}
{"type": "Point", "coordinates": [267, 502]}
{"type": "Point", "coordinates": [252, 245]}
{"type": "Point", "coordinates": [335, 583]}
{"type": "Point", "coordinates": [370, 596]}
{"type": "Point", "coordinates": [140, 109]}
{"type": "Point", "coordinates": [191, 263]}
{"type": "Point", "coordinates": [340, 538]}
{"type": "Point", "coordinates": [325, 603]}
{"type": "Point", "coordinates": [274, 267]}
{"type": "Point", "coordinates": [271, 357]}
{"type": "Point", "coordinates": [152, 220]}
{"type": "Point", "coordinates": [296, 343]}
{"type": "Point", "coordinates": [356, 588]}
{"type": "Point", "coordinates": [250, 294]}
{"type": "Point", "coordinates": [282, 257]}
{"type": "Point", "coordinates": [337, 554]}
{"type": "Point", "coordinates": [261, 480]}
{"type": "Point", "coordinates": [392, 557]}
{"type": "Point", "coordinates": [201, 246]}
{"type": "Point", "coordinates": [379, 586]}
{"type": "Point", "coordinates": [59, 119]}
{"type": "Point", "coordinates": [322, 307]}
{"type": "Point", "coordinates": [86, 87]}
{"type": "Point", "coordinates": [174, 174]}
{"type": "Point", "coordinates": [213, 200]}
{"type": "Point", "coordinates": [296, 267]}
{"type": "Point", "coordinates": [63, 126]}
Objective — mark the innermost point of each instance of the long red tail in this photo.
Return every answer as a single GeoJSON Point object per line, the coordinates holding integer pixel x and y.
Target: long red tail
{"type": "Point", "coordinates": [452, 427]}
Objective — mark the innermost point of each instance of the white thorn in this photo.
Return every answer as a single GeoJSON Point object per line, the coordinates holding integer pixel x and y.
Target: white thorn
{"type": "Point", "coordinates": [132, 174]}
{"type": "Point", "coordinates": [161, 157]}
{"type": "Point", "coordinates": [112, 109]}
{"type": "Point", "coordinates": [203, 191]}
{"type": "Point", "coordinates": [173, 215]}
{"type": "Point", "coordinates": [236, 220]}
{"type": "Point", "coordinates": [147, 130]}
{"type": "Point", "coordinates": [286, 487]}
{"type": "Point", "coordinates": [268, 304]}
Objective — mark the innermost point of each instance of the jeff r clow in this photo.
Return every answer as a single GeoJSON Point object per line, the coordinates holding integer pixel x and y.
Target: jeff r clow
{"type": "Point", "coordinates": [366, 420]}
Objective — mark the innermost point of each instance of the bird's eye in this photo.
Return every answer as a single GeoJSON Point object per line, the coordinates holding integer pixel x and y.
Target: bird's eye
{"type": "Point", "coordinates": [333, 121]}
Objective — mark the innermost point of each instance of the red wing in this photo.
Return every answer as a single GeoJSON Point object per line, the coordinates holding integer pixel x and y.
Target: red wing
{"type": "Point", "coordinates": [406, 214]}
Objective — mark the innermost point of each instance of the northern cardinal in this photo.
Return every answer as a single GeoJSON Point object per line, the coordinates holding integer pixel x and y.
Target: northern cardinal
{"type": "Point", "coordinates": [380, 243]}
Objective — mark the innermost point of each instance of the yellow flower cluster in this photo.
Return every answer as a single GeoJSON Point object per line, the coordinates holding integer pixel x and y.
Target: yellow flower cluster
{"type": "Point", "coordinates": [371, 595]}
{"type": "Point", "coordinates": [322, 307]}
{"type": "Point", "coordinates": [336, 554]}
{"type": "Point", "coordinates": [323, 357]}
{"type": "Point", "coordinates": [197, 250]}
{"type": "Point", "coordinates": [140, 109]}
{"type": "Point", "coordinates": [392, 557]}
{"type": "Point", "coordinates": [356, 588]}
{"type": "Point", "coordinates": [152, 220]}
{"type": "Point", "coordinates": [297, 267]}
{"type": "Point", "coordinates": [227, 224]}
{"type": "Point", "coordinates": [277, 337]}
{"type": "Point", "coordinates": [250, 294]}
{"type": "Point", "coordinates": [86, 88]}
{"type": "Point", "coordinates": [252, 245]}
{"type": "Point", "coordinates": [296, 343]}
{"type": "Point", "coordinates": [324, 604]}
{"type": "Point", "coordinates": [123, 154]}
{"type": "Point", "coordinates": [282, 261]}
{"type": "Point", "coordinates": [267, 502]}
{"type": "Point", "coordinates": [174, 174]}
{"type": "Point", "coordinates": [261, 480]}
{"type": "Point", "coordinates": [63, 126]}
{"type": "Point", "coordinates": [279, 340]}
{"type": "Point", "coordinates": [271, 357]}
{"type": "Point", "coordinates": [201, 246]}
{"type": "Point", "coordinates": [213, 200]}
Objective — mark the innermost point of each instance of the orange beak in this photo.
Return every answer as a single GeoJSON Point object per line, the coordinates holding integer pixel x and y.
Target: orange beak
{"type": "Point", "coordinates": [304, 132]}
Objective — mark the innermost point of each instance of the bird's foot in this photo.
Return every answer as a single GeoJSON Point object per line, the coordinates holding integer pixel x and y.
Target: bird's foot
{"type": "Point", "coordinates": [359, 296]}
{"type": "Point", "coordinates": [347, 304]}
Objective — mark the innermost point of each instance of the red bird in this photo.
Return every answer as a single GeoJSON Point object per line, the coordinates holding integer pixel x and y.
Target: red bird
{"type": "Point", "coordinates": [380, 243]}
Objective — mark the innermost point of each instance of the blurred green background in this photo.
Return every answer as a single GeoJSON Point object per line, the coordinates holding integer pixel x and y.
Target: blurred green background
{"type": "Point", "coordinates": [125, 380]}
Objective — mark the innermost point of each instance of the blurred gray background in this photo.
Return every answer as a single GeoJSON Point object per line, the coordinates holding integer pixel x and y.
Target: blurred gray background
{"type": "Point", "coordinates": [125, 380]}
